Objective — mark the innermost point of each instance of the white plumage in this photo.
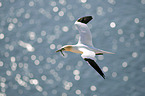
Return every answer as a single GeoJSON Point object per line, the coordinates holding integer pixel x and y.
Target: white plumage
{"type": "Point", "coordinates": [84, 45]}
{"type": "Point", "coordinates": [85, 34]}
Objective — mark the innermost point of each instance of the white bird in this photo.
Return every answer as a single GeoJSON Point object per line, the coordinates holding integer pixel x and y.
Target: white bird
{"type": "Point", "coordinates": [84, 45]}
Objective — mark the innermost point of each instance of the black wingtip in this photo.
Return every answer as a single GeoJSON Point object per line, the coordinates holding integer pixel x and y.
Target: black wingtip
{"type": "Point", "coordinates": [104, 76]}
{"type": "Point", "coordinates": [85, 19]}
{"type": "Point", "coordinates": [95, 66]}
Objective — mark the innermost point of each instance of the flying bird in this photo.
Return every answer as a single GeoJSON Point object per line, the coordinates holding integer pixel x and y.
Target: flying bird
{"type": "Point", "coordinates": [84, 45]}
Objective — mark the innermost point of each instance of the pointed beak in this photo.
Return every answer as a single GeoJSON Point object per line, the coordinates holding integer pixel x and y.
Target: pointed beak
{"type": "Point", "coordinates": [60, 50]}
{"type": "Point", "coordinates": [57, 50]}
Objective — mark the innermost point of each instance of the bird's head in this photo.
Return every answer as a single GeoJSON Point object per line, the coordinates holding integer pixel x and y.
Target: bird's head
{"type": "Point", "coordinates": [64, 48]}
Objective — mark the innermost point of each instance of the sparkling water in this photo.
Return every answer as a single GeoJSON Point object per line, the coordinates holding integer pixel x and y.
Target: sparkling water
{"type": "Point", "coordinates": [32, 30]}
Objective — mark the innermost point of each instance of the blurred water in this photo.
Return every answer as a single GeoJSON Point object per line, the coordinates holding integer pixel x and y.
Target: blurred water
{"type": "Point", "coordinates": [31, 31]}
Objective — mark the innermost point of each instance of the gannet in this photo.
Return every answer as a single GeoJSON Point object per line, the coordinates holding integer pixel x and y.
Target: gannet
{"type": "Point", "coordinates": [84, 45]}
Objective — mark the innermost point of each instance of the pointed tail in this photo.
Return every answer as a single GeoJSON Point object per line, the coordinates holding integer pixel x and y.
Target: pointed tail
{"type": "Point", "coordinates": [105, 52]}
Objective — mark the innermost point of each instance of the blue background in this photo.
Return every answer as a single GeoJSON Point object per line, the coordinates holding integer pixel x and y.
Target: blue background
{"type": "Point", "coordinates": [32, 30]}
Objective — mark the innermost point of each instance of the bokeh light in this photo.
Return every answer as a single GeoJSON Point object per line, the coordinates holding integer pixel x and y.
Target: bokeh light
{"type": "Point", "coordinates": [31, 32]}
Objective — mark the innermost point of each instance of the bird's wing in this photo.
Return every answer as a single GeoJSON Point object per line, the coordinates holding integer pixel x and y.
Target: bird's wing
{"type": "Point", "coordinates": [85, 34]}
{"type": "Point", "coordinates": [89, 56]}
{"type": "Point", "coordinates": [95, 66]}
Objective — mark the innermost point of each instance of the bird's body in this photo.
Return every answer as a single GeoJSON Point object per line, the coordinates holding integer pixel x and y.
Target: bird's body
{"type": "Point", "coordinates": [84, 45]}
{"type": "Point", "coordinates": [77, 49]}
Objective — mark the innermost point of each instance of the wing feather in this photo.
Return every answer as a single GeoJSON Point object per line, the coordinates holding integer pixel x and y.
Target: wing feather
{"type": "Point", "coordinates": [95, 66]}
{"type": "Point", "coordinates": [89, 56]}
{"type": "Point", "coordinates": [85, 33]}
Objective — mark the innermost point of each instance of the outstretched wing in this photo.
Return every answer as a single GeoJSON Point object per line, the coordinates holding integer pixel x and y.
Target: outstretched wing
{"type": "Point", "coordinates": [95, 66]}
{"type": "Point", "coordinates": [89, 56]}
{"type": "Point", "coordinates": [85, 34]}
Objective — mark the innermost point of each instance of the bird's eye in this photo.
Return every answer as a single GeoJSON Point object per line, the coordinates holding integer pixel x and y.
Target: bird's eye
{"type": "Point", "coordinates": [63, 49]}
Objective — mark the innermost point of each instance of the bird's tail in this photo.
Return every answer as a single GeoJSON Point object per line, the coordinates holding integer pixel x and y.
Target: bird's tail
{"type": "Point", "coordinates": [105, 52]}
